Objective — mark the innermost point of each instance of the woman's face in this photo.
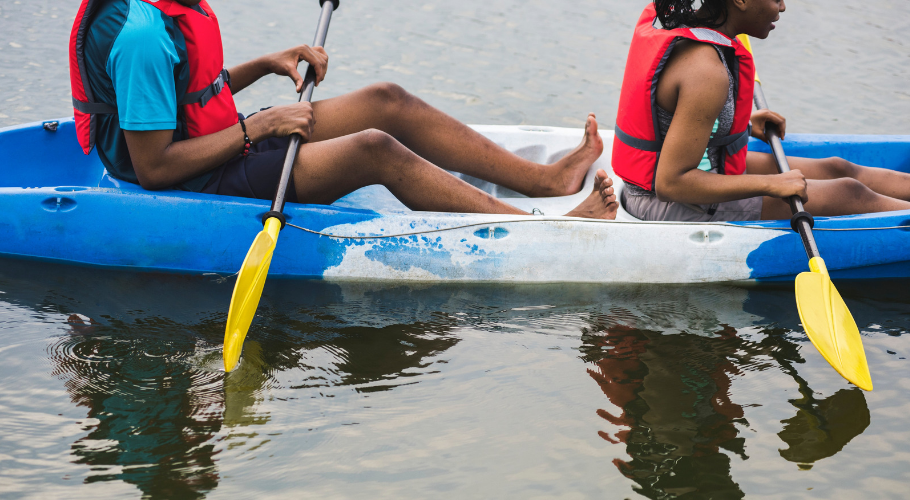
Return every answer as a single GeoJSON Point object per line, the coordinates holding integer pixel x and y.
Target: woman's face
{"type": "Point", "coordinates": [760, 15]}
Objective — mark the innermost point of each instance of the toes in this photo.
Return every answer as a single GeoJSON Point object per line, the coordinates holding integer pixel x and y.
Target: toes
{"type": "Point", "coordinates": [601, 180]}
{"type": "Point", "coordinates": [591, 124]}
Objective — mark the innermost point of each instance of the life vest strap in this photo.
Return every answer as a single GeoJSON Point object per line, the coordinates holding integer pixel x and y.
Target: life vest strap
{"type": "Point", "coordinates": [94, 108]}
{"type": "Point", "coordinates": [202, 97]}
{"type": "Point", "coordinates": [207, 94]}
{"type": "Point", "coordinates": [635, 142]}
{"type": "Point", "coordinates": [733, 143]}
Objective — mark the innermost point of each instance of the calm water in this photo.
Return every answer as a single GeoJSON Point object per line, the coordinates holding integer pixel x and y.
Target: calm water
{"type": "Point", "coordinates": [110, 385]}
{"type": "Point", "coordinates": [109, 381]}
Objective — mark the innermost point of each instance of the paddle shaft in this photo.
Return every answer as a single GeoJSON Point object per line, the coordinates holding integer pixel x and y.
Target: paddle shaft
{"type": "Point", "coordinates": [802, 223]}
{"type": "Point", "coordinates": [309, 84]}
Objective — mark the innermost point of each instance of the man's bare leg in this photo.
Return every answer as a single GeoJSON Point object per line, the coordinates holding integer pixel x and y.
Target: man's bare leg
{"type": "Point", "coordinates": [328, 170]}
{"type": "Point", "coordinates": [448, 143]}
{"type": "Point", "coordinates": [845, 196]}
{"type": "Point", "coordinates": [883, 181]}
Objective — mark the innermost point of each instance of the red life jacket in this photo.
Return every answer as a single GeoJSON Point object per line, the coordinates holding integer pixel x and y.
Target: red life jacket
{"type": "Point", "coordinates": [637, 143]}
{"type": "Point", "coordinates": [206, 109]}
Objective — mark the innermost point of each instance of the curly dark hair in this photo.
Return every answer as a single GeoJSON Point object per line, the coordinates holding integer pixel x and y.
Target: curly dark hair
{"type": "Point", "coordinates": [674, 13]}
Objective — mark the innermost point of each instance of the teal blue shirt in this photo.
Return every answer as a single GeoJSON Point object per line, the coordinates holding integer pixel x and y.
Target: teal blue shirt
{"type": "Point", "coordinates": [136, 59]}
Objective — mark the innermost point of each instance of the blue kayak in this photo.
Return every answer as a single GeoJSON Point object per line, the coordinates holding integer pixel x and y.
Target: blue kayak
{"type": "Point", "coordinates": [61, 205]}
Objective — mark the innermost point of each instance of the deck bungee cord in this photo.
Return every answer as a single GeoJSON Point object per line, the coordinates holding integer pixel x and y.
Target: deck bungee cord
{"type": "Point", "coordinates": [589, 221]}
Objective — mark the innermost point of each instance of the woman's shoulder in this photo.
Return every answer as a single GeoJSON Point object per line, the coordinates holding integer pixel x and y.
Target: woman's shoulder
{"type": "Point", "coordinates": [696, 70]}
{"type": "Point", "coordinates": [697, 57]}
{"type": "Point", "coordinates": [696, 63]}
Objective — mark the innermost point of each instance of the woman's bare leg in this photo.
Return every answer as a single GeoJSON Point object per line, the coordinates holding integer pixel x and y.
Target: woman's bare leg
{"type": "Point", "coordinates": [845, 196]}
{"type": "Point", "coordinates": [327, 170]}
{"type": "Point", "coordinates": [448, 143]}
{"type": "Point", "coordinates": [882, 181]}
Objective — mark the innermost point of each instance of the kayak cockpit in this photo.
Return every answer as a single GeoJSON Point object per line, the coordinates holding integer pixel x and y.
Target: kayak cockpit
{"type": "Point", "coordinates": [46, 154]}
{"type": "Point", "coordinates": [538, 144]}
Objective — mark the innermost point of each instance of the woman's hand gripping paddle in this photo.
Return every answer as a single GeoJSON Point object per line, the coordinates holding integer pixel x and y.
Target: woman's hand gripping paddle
{"type": "Point", "coordinates": [255, 269]}
{"type": "Point", "coordinates": [825, 316]}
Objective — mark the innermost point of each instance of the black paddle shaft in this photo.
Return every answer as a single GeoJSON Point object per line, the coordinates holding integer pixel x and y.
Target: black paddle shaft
{"type": "Point", "coordinates": [802, 221]}
{"type": "Point", "coordinates": [309, 84]}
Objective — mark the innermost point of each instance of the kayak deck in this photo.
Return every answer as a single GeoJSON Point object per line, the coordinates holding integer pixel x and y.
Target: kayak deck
{"type": "Point", "coordinates": [62, 205]}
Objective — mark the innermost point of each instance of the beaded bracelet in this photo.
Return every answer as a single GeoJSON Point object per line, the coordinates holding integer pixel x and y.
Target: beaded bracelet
{"type": "Point", "coordinates": [247, 143]}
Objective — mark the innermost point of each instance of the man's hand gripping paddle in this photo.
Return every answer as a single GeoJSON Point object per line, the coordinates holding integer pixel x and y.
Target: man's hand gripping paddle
{"type": "Point", "coordinates": [825, 316]}
{"type": "Point", "coordinates": [255, 269]}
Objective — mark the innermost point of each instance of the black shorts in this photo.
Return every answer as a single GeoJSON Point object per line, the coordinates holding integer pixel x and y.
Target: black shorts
{"type": "Point", "coordinates": [255, 175]}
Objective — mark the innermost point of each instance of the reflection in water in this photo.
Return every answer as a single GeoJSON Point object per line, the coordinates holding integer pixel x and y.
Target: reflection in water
{"type": "Point", "coordinates": [676, 414]}
{"type": "Point", "coordinates": [673, 392]}
{"type": "Point", "coordinates": [153, 420]}
{"type": "Point", "coordinates": [821, 429]}
{"type": "Point", "coordinates": [156, 399]}
{"type": "Point", "coordinates": [158, 412]}
{"type": "Point", "coordinates": [142, 357]}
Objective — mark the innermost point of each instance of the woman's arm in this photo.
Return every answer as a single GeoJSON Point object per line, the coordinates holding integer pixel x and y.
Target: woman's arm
{"type": "Point", "coordinates": [694, 87]}
{"type": "Point", "coordinates": [280, 63]}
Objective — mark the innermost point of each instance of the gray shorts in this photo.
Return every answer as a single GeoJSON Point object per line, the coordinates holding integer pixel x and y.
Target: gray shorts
{"type": "Point", "coordinates": [644, 205]}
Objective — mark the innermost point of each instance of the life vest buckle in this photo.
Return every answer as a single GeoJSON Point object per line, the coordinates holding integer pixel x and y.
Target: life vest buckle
{"type": "Point", "coordinates": [205, 95]}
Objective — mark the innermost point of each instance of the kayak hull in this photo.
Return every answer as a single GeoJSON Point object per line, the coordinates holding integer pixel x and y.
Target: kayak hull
{"type": "Point", "coordinates": [60, 205]}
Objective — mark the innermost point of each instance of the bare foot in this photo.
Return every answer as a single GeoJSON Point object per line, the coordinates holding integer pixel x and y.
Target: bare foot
{"type": "Point", "coordinates": [567, 176]}
{"type": "Point", "coordinates": [601, 203]}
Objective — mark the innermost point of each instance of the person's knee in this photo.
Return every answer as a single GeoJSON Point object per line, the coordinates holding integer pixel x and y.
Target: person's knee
{"type": "Point", "coordinates": [390, 94]}
{"type": "Point", "coordinates": [854, 189]}
{"type": "Point", "coordinates": [838, 168]}
{"type": "Point", "coordinates": [376, 141]}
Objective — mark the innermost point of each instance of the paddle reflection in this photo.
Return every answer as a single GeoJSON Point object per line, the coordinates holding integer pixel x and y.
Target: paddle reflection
{"type": "Point", "coordinates": [821, 427]}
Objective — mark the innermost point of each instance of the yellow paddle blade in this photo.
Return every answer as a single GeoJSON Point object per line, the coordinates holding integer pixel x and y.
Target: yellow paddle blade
{"type": "Point", "coordinates": [248, 291]}
{"type": "Point", "coordinates": [830, 326]}
{"type": "Point", "coordinates": [744, 39]}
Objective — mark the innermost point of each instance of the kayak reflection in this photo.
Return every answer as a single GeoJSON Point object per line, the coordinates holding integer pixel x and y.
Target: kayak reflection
{"type": "Point", "coordinates": [143, 352]}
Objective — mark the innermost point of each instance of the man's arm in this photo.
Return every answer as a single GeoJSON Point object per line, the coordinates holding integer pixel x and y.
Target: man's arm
{"type": "Point", "coordinates": [280, 63]}
{"type": "Point", "coordinates": [160, 163]}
